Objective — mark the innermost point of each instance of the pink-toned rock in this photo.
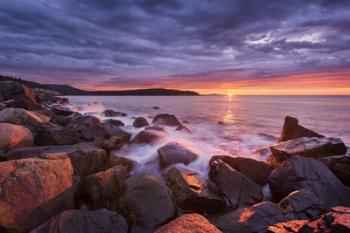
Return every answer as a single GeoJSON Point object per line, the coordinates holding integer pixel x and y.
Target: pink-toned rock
{"type": "Point", "coordinates": [103, 189]}
{"type": "Point", "coordinates": [189, 223]}
{"type": "Point", "coordinates": [79, 221]}
{"type": "Point", "coordinates": [18, 116]}
{"type": "Point", "coordinates": [14, 90]}
{"type": "Point", "coordinates": [33, 190]}
{"type": "Point", "coordinates": [14, 136]}
{"type": "Point", "coordinates": [292, 226]}
{"type": "Point", "coordinates": [292, 130]}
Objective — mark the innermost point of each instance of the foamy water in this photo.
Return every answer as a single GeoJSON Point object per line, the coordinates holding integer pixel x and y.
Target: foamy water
{"type": "Point", "coordinates": [252, 123]}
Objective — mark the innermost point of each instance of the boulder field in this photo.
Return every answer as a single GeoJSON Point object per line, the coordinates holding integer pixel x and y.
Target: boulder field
{"type": "Point", "coordinates": [59, 174]}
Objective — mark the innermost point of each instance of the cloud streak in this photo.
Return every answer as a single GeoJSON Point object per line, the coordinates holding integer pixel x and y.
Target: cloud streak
{"type": "Point", "coordinates": [125, 44]}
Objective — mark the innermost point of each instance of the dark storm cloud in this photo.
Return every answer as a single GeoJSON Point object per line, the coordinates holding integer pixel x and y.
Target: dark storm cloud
{"type": "Point", "coordinates": [145, 42]}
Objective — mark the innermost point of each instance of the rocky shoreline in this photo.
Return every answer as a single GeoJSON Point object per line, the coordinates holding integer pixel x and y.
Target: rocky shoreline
{"type": "Point", "coordinates": [58, 173]}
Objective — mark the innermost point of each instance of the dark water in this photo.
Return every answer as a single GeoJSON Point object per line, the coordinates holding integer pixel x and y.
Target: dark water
{"type": "Point", "coordinates": [252, 123]}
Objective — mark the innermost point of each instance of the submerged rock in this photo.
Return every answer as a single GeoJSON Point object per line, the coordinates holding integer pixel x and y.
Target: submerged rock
{"type": "Point", "coordinates": [292, 130]}
{"type": "Point", "coordinates": [305, 173]}
{"type": "Point", "coordinates": [239, 190]}
{"type": "Point", "coordinates": [18, 116]}
{"type": "Point", "coordinates": [189, 223]}
{"type": "Point", "coordinates": [14, 136]}
{"type": "Point", "coordinates": [86, 159]}
{"type": "Point", "coordinates": [79, 221]}
{"type": "Point", "coordinates": [33, 190]}
{"type": "Point", "coordinates": [184, 129]}
{"type": "Point", "coordinates": [103, 189]}
{"type": "Point", "coordinates": [166, 119]}
{"type": "Point", "coordinates": [308, 147]}
{"type": "Point", "coordinates": [145, 201]}
{"type": "Point", "coordinates": [112, 113]}
{"type": "Point", "coordinates": [173, 153]}
{"type": "Point", "coordinates": [114, 122]}
{"type": "Point", "coordinates": [140, 122]}
{"type": "Point", "coordinates": [148, 137]}
{"type": "Point", "coordinates": [51, 134]}
{"type": "Point", "coordinates": [255, 170]}
{"type": "Point", "coordinates": [192, 193]}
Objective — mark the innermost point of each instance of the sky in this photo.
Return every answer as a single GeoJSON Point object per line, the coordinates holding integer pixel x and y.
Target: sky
{"type": "Point", "coordinates": [210, 46]}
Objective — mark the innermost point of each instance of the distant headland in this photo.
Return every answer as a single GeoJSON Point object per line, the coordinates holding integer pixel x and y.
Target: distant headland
{"type": "Point", "coordinates": [69, 90]}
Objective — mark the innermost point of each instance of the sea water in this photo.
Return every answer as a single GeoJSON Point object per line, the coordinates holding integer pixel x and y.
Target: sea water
{"type": "Point", "coordinates": [251, 123]}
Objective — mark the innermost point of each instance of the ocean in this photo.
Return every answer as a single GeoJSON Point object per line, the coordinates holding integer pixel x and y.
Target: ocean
{"type": "Point", "coordinates": [251, 123]}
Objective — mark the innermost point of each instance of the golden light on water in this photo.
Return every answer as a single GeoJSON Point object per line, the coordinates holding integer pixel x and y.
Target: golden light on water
{"type": "Point", "coordinates": [230, 94]}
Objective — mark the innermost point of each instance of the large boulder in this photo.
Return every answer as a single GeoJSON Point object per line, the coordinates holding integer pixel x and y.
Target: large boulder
{"type": "Point", "coordinates": [340, 166]}
{"type": "Point", "coordinates": [149, 136]}
{"type": "Point", "coordinates": [257, 171]}
{"type": "Point", "coordinates": [258, 217]}
{"type": "Point", "coordinates": [63, 120]}
{"type": "Point", "coordinates": [239, 190]}
{"type": "Point", "coordinates": [189, 223]}
{"type": "Point", "coordinates": [140, 122]}
{"type": "Point", "coordinates": [166, 119]}
{"type": "Point", "coordinates": [292, 130]}
{"type": "Point", "coordinates": [51, 134]}
{"type": "Point", "coordinates": [191, 192]}
{"type": "Point", "coordinates": [61, 110]}
{"type": "Point", "coordinates": [14, 136]}
{"type": "Point", "coordinates": [13, 90]}
{"type": "Point", "coordinates": [18, 116]}
{"type": "Point", "coordinates": [33, 190]}
{"type": "Point", "coordinates": [115, 122]}
{"type": "Point", "coordinates": [308, 147]}
{"type": "Point", "coordinates": [145, 201]}
{"type": "Point", "coordinates": [305, 173]}
{"type": "Point", "coordinates": [103, 189]}
{"type": "Point", "coordinates": [335, 221]}
{"type": "Point", "coordinates": [112, 113]}
{"type": "Point", "coordinates": [80, 122]}
{"type": "Point", "coordinates": [253, 219]}
{"type": "Point", "coordinates": [86, 159]}
{"type": "Point", "coordinates": [173, 152]}
{"type": "Point", "coordinates": [104, 130]}
{"type": "Point", "coordinates": [303, 204]}
{"type": "Point", "coordinates": [79, 221]}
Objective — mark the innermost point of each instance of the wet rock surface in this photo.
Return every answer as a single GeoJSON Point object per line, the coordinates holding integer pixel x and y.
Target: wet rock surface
{"type": "Point", "coordinates": [191, 192]}
{"type": "Point", "coordinates": [292, 130]}
{"type": "Point", "coordinates": [80, 221]}
{"type": "Point", "coordinates": [166, 119]}
{"type": "Point", "coordinates": [239, 190]}
{"type": "Point", "coordinates": [173, 153]}
{"type": "Point", "coordinates": [149, 136]}
{"type": "Point", "coordinates": [257, 171]}
{"type": "Point", "coordinates": [112, 113]}
{"type": "Point", "coordinates": [305, 173]}
{"type": "Point", "coordinates": [140, 122]}
{"type": "Point", "coordinates": [51, 134]}
{"type": "Point", "coordinates": [308, 147]}
{"type": "Point", "coordinates": [340, 166]}
{"type": "Point", "coordinates": [145, 201]}
{"type": "Point", "coordinates": [189, 223]}
{"type": "Point", "coordinates": [33, 190]}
